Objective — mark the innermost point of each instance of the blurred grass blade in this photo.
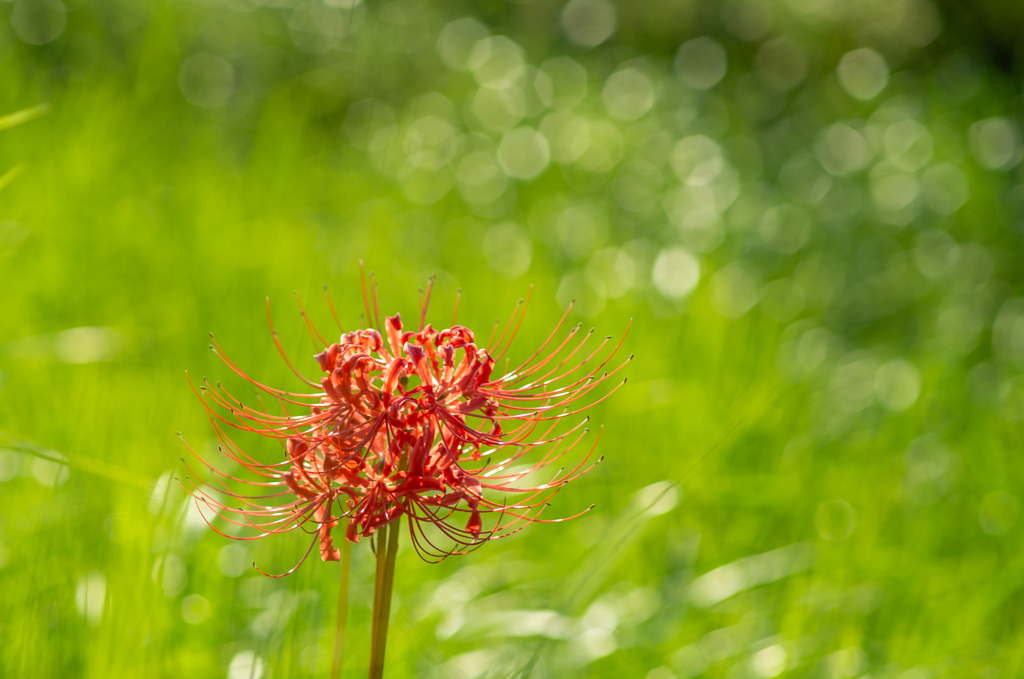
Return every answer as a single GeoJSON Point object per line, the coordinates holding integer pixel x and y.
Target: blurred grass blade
{"type": "Point", "coordinates": [81, 463]}
{"type": "Point", "coordinates": [11, 175]}
{"type": "Point", "coordinates": [23, 116]}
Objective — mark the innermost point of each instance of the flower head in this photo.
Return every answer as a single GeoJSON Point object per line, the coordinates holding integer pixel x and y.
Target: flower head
{"type": "Point", "coordinates": [412, 425]}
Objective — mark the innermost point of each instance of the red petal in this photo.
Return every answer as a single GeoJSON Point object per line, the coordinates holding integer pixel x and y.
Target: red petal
{"type": "Point", "coordinates": [296, 447]}
{"type": "Point", "coordinates": [327, 550]}
{"type": "Point", "coordinates": [474, 524]}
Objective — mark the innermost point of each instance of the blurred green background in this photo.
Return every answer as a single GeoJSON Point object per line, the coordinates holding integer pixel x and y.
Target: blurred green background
{"type": "Point", "coordinates": [812, 210]}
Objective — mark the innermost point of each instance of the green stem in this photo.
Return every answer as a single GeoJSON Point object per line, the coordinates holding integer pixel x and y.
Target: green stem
{"type": "Point", "coordinates": [339, 633]}
{"type": "Point", "coordinates": [382, 596]}
{"type": "Point", "coordinates": [378, 586]}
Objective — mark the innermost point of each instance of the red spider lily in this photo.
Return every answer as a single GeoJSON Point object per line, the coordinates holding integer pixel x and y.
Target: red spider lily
{"type": "Point", "coordinates": [406, 424]}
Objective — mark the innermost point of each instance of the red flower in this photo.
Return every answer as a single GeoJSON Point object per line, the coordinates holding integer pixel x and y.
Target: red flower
{"type": "Point", "coordinates": [409, 424]}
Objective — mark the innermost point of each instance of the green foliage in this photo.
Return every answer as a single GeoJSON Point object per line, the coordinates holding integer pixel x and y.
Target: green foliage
{"type": "Point", "coordinates": [812, 469]}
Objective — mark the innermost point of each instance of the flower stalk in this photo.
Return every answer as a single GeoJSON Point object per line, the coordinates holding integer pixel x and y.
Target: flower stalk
{"type": "Point", "coordinates": [387, 549]}
{"type": "Point", "coordinates": [342, 622]}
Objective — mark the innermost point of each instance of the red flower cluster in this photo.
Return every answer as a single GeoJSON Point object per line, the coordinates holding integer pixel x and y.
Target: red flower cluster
{"type": "Point", "coordinates": [406, 424]}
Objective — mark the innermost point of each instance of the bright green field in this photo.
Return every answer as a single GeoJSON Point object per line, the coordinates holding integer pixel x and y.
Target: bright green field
{"type": "Point", "coordinates": [813, 471]}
